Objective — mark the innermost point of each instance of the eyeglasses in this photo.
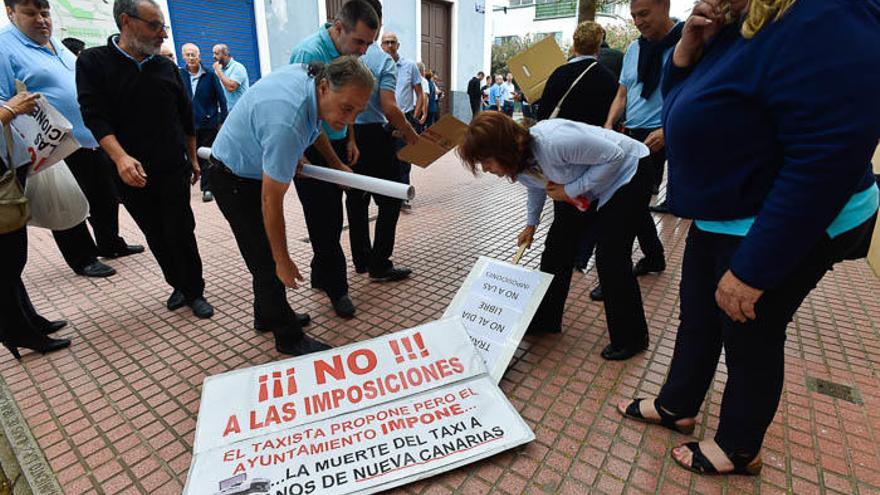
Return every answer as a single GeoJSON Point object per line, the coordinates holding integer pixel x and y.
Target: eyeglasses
{"type": "Point", "coordinates": [153, 25]}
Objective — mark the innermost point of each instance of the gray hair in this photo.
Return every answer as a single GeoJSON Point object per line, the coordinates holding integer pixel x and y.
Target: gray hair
{"type": "Point", "coordinates": [344, 71]}
{"type": "Point", "coordinates": [129, 7]}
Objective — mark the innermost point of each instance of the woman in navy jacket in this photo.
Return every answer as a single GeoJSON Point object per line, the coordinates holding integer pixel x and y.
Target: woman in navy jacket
{"type": "Point", "coordinates": [771, 117]}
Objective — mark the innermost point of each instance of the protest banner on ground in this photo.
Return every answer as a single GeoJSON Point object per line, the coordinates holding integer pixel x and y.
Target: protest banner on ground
{"type": "Point", "coordinates": [356, 419]}
{"type": "Point", "coordinates": [495, 303]}
{"type": "Point", "coordinates": [434, 142]}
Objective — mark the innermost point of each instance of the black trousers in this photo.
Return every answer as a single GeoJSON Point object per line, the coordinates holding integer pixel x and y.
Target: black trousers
{"type": "Point", "coordinates": [649, 241]}
{"type": "Point", "coordinates": [205, 137]}
{"type": "Point", "coordinates": [405, 167]}
{"type": "Point", "coordinates": [17, 314]}
{"type": "Point", "coordinates": [240, 201]}
{"type": "Point", "coordinates": [754, 351]}
{"type": "Point", "coordinates": [162, 211]}
{"type": "Point", "coordinates": [94, 173]}
{"type": "Point", "coordinates": [616, 221]}
{"type": "Point", "coordinates": [377, 160]}
{"type": "Point", "coordinates": [322, 207]}
{"type": "Point", "coordinates": [475, 107]}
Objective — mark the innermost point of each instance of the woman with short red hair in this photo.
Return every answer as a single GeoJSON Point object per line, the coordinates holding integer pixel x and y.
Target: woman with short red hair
{"type": "Point", "coordinates": [574, 164]}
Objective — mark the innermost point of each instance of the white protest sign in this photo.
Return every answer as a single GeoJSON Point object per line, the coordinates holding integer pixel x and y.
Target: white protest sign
{"type": "Point", "coordinates": [355, 419]}
{"type": "Point", "coordinates": [46, 132]}
{"type": "Point", "coordinates": [495, 303]}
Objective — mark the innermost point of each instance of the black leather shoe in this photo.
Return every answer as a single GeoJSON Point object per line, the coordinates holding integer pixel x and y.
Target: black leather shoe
{"type": "Point", "coordinates": [96, 269]}
{"type": "Point", "coordinates": [303, 345]}
{"type": "Point", "coordinates": [360, 269]}
{"type": "Point", "coordinates": [597, 294]}
{"type": "Point", "coordinates": [392, 274]}
{"type": "Point", "coordinates": [126, 250]}
{"type": "Point", "coordinates": [176, 301]}
{"type": "Point", "coordinates": [343, 306]}
{"type": "Point", "coordinates": [302, 318]}
{"type": "Point", "coordinates": [201, 308]}
{"type": "Point", "coordinates": [660, 208]}
{"type": "Point", "coordinates": [613, 354]}
{"type": "Point", "coordinates": [36, 342]}
{"type": "Point", "coordinates": [53, 326]}
{"type": "Point", "coordinates": [207, 197]}
{"type": "Point", "coordinates": [645, 266]}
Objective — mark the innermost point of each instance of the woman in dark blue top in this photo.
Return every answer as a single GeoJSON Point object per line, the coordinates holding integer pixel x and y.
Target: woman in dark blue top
{"type": "Point", "coordinates": [771, 117]}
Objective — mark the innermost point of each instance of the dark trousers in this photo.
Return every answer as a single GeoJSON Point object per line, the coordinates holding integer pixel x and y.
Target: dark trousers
{"type": "Point", "coordinates": [161, 210]}
{"type": "Point", "coordinates": [507, 108]}
{"type": "Point", "coordinates": [205, 137]}
{"type": "Point", "coordinates": [475, 107]}
{"type": "Point", "coordinates": [616, 220]}
{"type": "Point", "coordinates": [17, 314]}
{"type": "Point", "coordinates": [377, 160]}
{"type": "Point", "coordinates": [754, 351]}
{"type": "Point", "coordinates": [322, 207]}
{"type": "Point", "coordinates": [94, 173]}
{"type": "Point", "coordinates": [240, 201]}
{"type": "Point", "coordinates": [649, 241]}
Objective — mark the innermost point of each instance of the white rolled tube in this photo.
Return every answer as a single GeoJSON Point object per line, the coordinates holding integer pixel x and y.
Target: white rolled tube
{"type": "Point", "coordinates": [355, 181]}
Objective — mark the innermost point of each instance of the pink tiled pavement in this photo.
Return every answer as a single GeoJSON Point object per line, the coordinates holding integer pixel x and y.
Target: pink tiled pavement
{"type": "Point", "coordinates": [116, 413]}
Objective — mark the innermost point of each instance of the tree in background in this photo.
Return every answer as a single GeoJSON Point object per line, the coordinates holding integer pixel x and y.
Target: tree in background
{"type": "Point", "coordinates": [587, 8]}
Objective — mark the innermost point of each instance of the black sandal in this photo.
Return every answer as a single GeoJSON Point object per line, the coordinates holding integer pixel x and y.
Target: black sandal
{"type": "Point", "coordinates": [645, 411]}
{"type": "Point", "coordinates": [707, 457]}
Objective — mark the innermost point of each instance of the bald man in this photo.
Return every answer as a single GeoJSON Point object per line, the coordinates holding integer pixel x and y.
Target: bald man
{"type": "Point", "coordinates": [232, 74]}
{"type": "Point", "coordinates": [209, 105]}
{"type": "Point", "coordinates": [409, 96]}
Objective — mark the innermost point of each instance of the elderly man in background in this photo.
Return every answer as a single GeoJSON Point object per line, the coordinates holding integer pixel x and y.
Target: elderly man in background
{"type": "Point", "coordinates": [209, 105]}
{"type": "Point", "coordinates": [409, 96]}
{"type": "Point", "coordinates": [168, 52]}
{"type": "Point", "coordinates": [29, 53]}
{"type": "Point", "coordinates": [233, 75]}
{"type": "Point", "coordinates": [136, 105]}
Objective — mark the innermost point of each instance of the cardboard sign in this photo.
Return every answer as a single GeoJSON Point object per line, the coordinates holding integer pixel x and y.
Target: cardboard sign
{"type": "Point", "coordinates": [46, 132]}
{"type": "Point", "coordinates": [533, 67]}
{"type": "Point", "coordinates": [356, 419]}
{"type": "Point", "coordinates": [434, 142]}
{"type": "Point", "coordinates": [496, 303]}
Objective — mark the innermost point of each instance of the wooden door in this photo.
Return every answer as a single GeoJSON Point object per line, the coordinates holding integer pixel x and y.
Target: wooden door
{"type": "Point", "coordinates": [436, 44]}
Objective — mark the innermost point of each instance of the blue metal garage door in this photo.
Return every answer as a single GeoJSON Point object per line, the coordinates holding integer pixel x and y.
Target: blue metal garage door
{"type": "Point", "coordinates": [207, 23]}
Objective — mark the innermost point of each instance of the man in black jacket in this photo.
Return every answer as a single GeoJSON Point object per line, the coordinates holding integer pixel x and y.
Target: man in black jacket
{"type": "Point", "coordinates": [134, 102]}
{"type": "Point", "coordinates": [475, 95]}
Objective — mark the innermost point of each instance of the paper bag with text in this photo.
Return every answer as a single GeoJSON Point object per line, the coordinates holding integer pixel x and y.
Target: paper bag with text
{"type": "Point", "coordinates": [434, 142]}
{"type": "Point", "coordinates": [533, 67]}
{"type": "Point", "coordinates": [46, 132]}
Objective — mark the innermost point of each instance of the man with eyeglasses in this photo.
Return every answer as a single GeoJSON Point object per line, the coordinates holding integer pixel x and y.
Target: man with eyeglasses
{"type": "Point", "coordinates": [136, 105]}
{"type": "Point", "coordinates": [29, 53]}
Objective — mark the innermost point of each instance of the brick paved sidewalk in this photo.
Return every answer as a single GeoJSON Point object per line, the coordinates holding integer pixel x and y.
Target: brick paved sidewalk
{"type": "Point", "coordinates": [116, 413]}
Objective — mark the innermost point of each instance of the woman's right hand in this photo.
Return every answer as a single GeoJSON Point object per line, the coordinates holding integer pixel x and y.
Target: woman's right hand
{"type": "Point", "coordinates": [526, 236]}
{"type": "Point", "coordinates": [23, 103]}
{"type": "Point", "coordinates": [705, 21]}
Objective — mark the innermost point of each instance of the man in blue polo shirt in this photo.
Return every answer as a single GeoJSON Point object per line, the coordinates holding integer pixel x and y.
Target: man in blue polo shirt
{"type": "Point", "coordinates": [30, 54]}
{"type": "Point", "coordinates": [232, 74]}
{"type": "Point", "coordinates": [353, 30]}
{"type": "Point", "coordinates": [376, 142]}
{"type": "Point", "coordinates": [639, 95]}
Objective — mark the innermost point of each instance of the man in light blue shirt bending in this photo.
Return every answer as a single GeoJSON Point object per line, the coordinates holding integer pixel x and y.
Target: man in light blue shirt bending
{"type": "Point", "coordinates": [255, 159]}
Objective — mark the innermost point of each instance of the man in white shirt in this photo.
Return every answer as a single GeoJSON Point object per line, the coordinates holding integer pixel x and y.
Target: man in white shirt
{"type": "Point", "coordinates": [508, 95]}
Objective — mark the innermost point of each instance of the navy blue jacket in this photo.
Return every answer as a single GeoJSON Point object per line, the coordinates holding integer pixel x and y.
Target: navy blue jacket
{"type": "Point", "coordinates": [209, 102]}
{"type": "Point", "coordinates": [781, 126]}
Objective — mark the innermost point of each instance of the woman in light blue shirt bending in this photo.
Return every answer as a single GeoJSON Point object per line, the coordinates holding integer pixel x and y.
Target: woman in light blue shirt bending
{"type": "Point", "coordinates": [575, 164]}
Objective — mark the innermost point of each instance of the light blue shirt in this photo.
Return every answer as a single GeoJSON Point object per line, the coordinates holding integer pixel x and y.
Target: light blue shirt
{"type": "Point", "coordinates": [384, 69]}
{"type": "Point", "coordinates": [496, 95]}
{"type": "Point", "coordinates": [51, 74]}
{"type": "Point", "coordinates": [407, 76]}
{"type": "Point", "coordinates": [590, 161]}
{"type": "Point", "coordinates": [194, 79]}
{"type": "Point", "coordinates": [860, 207]}
{"type": "Point", "coordinates": [236, 71]}
{"type": "Point", "coordinates": [20, 155]}
{"type": "Point", "coordinates": [640, 113]}
{"type": "Point", "coordinates": [271, 127]}
{"type": "Point", "coordinates": [319, 47]}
